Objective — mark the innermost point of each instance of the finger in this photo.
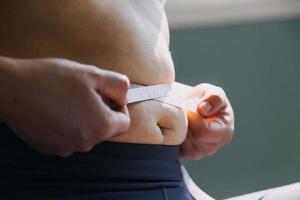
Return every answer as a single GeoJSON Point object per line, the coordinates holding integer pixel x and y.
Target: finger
{"type": "Point", "coordinates": [185, 147]}
{"type": "Point", "coordinates": [117, 121]}
{"type": "Point", "coordinates": [192, 146]}
{"type": "Point", "coordinates": [188, 149]}
{"type": "Point", "coordinates": [209, 149]}
{"type": "Point", "coordinates": [104, 121]}
{"type": "Point", "coordinates": [220, 133]}
{"type": "Point", "coordinates": [120, 120]}
{"type": "Point", "coordinates": [212, 105]}
{"type": "Point", "coordinates": [204, 148]}
{"type": "Point", "coordinates": [113, 86]}
{"type": "Point", "coordinates": [85, 149]}
{"type": "Point", "coordinates": [205, 130]}
{"type": "Point", "coordinates": [198, 151]}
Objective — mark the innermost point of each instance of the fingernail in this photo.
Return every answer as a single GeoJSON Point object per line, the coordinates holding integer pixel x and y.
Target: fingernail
{"type": "Point", "coordinates": [205, 106]}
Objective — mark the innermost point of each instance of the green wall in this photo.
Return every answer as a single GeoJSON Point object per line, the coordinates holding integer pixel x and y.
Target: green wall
{"type": "Point", "coordinates": [258, 65]}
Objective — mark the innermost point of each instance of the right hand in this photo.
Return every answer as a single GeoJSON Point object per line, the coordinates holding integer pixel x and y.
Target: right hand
{"type": "Point", "coordinates": [58, 106]}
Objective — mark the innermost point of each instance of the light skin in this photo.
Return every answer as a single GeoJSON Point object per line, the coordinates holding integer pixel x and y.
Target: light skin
{"type": "Point", "coordinates": [59, 106]}
{"type": "Point", "coordinates": [134, 43]}
{"type": "Point", "coordinates": [212, 126]}
{"type": "Point", "coordinates": [42, 101]}
{"type": "Point", "coordinates": [209, 129]}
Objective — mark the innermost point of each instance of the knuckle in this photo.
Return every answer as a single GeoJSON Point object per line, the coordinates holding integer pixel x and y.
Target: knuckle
{"type": "Point", "coordinates": [85, 137]}
{"type": "Point", "coordinates": [60, 60]}
{"type": "Point", "coordinates": [126, 81]}
{"type": "Point", "coordinates": [84, 143]}
{"type": "Point", "coordinates": [91, 74]}
{"type": "Point", "coordinates": [99, 76]}
{"type": "Point", "coordinates": [211, 152]}
{"type": "Point", "coordinates": [123, 83]}
{"type": "Point", "coordinates": [122, 79]}
{"type": "Point", "coordinates": [64, 152]}
{"type": "Point", "coordinates": [117, 81]}
{"type": "Point", "coordinates": [76, 78]}
{"type": "Point", "coordinates": [196, 155]}
{"type": "Point", "coordinates": [84, 147]}
{"type": "Point", "coordinates": [55, 61]}
{"type": "Point", "coordinates": [204, 152]}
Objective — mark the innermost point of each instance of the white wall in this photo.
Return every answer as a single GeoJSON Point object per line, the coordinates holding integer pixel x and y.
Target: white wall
{"type": "Point", "coordinates": [186, 13]}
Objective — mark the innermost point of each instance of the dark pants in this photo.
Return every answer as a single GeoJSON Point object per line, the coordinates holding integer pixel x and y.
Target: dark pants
{"type": "Point", "coordinates": [110, 171]}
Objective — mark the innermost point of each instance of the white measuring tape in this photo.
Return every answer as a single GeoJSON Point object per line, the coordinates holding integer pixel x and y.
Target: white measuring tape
{"type": "Point", "coordinates": [173, 94]}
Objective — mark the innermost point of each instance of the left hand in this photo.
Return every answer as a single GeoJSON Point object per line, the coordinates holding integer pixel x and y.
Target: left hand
{"type": "Point", "coordinates": [212, 126]}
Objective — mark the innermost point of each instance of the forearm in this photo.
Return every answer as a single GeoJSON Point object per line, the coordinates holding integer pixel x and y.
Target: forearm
{"type": "Point", "coordinates": [7, 85]}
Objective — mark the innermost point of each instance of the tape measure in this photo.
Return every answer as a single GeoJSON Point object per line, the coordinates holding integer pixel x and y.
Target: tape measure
{"type": "Point", "coordinates": [138, 93]}
{"type": "Point", "coordinates": [174, 94]}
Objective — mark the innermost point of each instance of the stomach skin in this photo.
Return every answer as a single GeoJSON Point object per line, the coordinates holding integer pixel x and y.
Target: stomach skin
{"type": "Point", "coordinates": [129, 37]}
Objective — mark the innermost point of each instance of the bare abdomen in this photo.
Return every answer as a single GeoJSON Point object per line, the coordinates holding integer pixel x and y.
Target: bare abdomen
{"type": "Point", "coordinates": [130, 37]}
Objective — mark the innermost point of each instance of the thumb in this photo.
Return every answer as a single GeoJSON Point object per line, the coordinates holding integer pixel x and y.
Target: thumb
{"type": "Point", "coordinates": [211, 105]}
{"type": "Point", "coordinates": [113, 86]}
{"type": "Point", "coordinates": [120, 120]}
{"type": "Point", "coordinates": [115, 121]}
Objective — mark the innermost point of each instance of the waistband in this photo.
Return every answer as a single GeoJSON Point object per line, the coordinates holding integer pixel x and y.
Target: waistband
{"type": "Point", "coordinates": [109, 166]}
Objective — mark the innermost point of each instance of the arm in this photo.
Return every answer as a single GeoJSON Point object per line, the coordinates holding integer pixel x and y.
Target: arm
{"type": "Point", "coordinates": [7, 67]}
{"type": "Point", "coordinates": [49, 101]}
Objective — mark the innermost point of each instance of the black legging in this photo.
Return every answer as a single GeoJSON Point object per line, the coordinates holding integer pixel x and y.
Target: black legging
{"type": "Point", "coordinates": [110, 171]}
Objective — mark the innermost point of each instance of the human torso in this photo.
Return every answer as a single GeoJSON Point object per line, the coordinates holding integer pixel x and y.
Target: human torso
{"type": "Point", "coordinates": [130, 37]}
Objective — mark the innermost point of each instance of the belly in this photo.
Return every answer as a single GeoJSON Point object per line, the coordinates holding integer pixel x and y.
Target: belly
{"type": "Point", "coordinates": [154, 122]}
{"type": "Point", "coordinates": [130, 37]}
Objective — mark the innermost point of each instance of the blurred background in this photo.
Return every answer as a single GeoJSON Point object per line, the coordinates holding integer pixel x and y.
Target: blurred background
{"type": "Point", "coordinates": [252, 49]}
